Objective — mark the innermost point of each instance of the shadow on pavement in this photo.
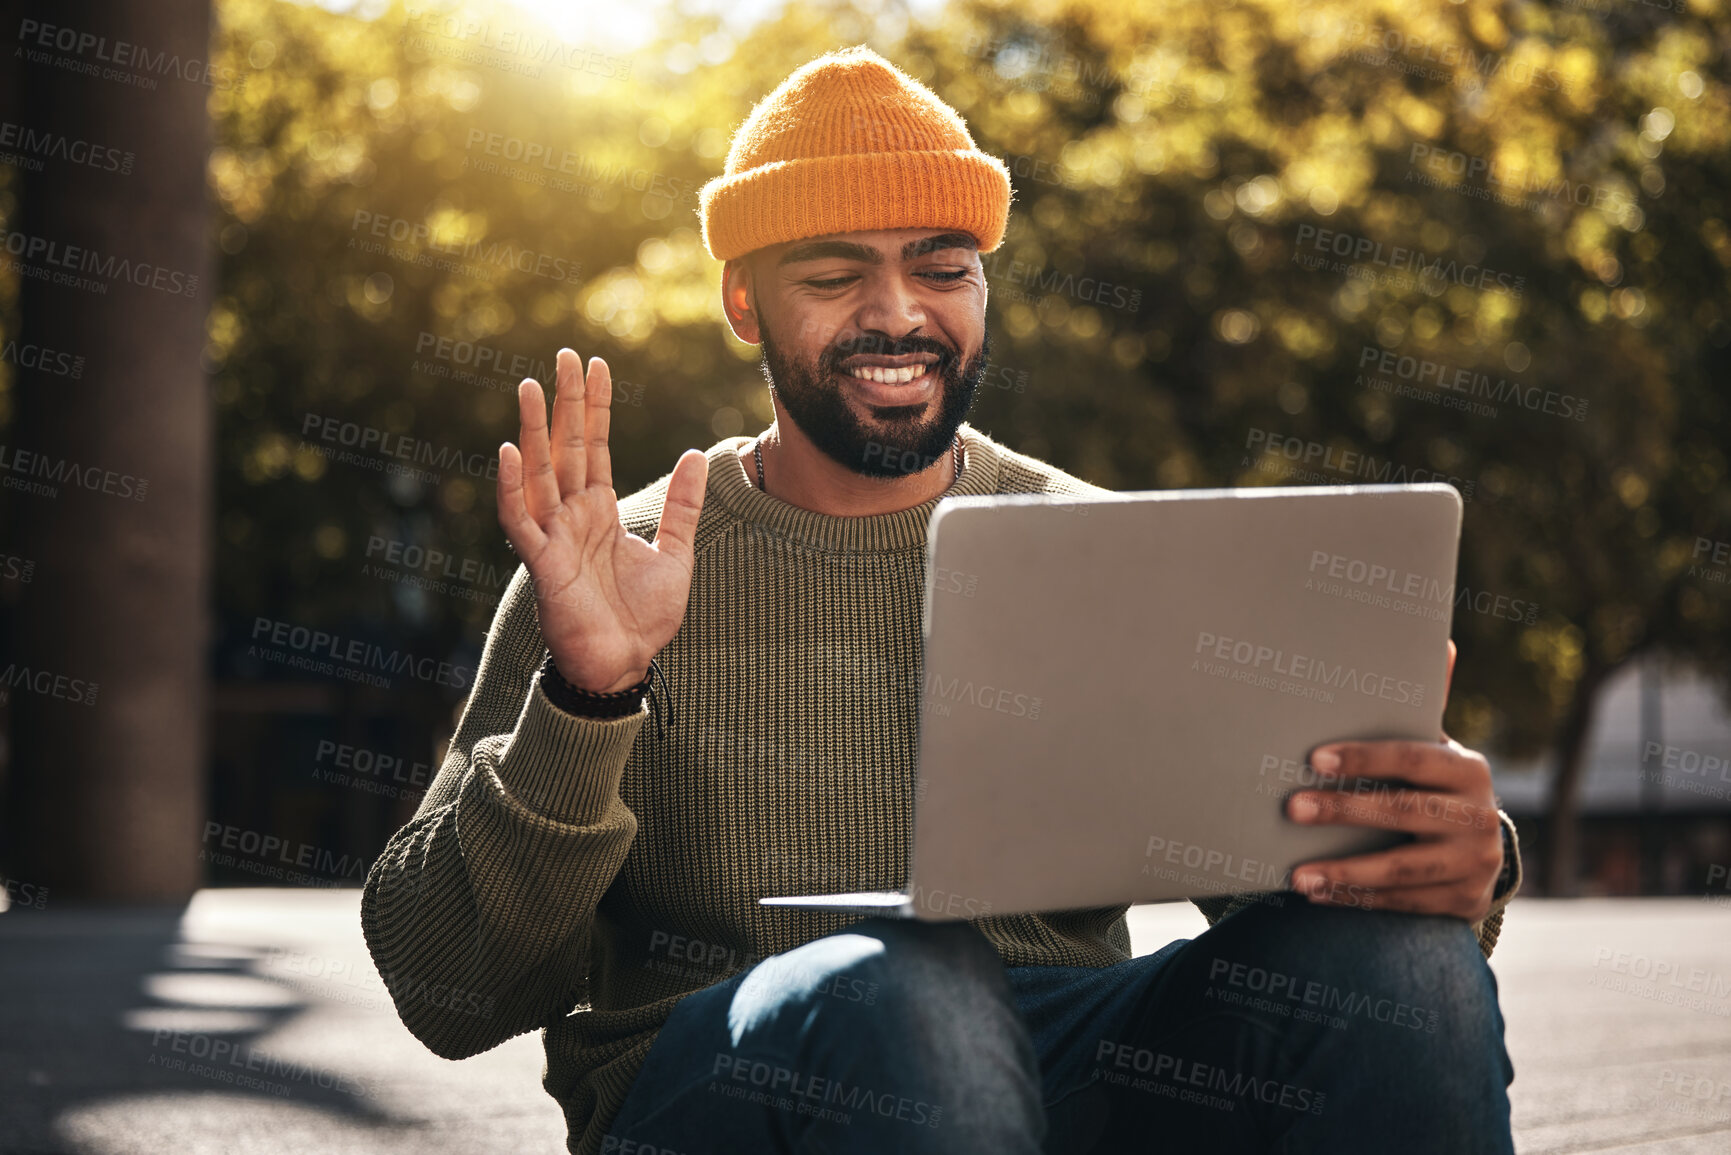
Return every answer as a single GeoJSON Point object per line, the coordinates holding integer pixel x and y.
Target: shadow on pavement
{"type": "Point", "coordinates": [103, 1005]}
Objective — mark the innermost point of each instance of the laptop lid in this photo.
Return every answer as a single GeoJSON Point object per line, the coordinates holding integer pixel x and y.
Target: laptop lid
{"type": "Point", "coordinates": [1120, 692]}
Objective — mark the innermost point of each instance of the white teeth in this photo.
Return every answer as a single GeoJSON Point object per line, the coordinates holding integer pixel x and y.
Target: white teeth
{"type": "Point", "coordinates": [893, 376]}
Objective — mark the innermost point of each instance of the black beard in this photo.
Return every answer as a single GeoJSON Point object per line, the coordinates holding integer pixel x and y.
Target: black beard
{"type": "Point", "coordinates": [900, 443]}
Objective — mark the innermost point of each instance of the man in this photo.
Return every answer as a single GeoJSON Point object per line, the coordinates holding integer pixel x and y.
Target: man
{"type": "Point", "coordinates": [574, 870]}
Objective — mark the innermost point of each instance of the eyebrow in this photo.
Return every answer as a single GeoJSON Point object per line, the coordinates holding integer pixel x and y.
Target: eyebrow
{"type": "Point", "coordinates": [936, 243]}
{"type": "Point", "coordinates": [850, 251]}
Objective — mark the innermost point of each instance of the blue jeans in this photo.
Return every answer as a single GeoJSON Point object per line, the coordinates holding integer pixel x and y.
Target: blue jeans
{"type": "Point", "coordinates": [1285, 1027]}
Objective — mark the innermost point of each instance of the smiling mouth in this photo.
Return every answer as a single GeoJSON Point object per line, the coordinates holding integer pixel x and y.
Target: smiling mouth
{"type": "Point", "coordinates": [891, 370]}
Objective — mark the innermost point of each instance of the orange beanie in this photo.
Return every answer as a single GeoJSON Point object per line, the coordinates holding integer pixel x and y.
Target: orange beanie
{"type": "Point", "coordinates": [850, 143]}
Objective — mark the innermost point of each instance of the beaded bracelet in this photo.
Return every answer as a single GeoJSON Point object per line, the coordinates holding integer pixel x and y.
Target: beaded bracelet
{"type": "Point", "coordinates": [1506, 875]}
{"type": "Point", "coordinates": [614, 704]}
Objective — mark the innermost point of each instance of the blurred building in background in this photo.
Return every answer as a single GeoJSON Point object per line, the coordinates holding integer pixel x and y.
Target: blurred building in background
{"type": "Point", "coordinates": [1656, 790]}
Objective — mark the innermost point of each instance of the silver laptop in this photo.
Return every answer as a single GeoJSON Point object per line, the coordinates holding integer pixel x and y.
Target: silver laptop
{"type": "Point", "coordinates": [1120, 692]}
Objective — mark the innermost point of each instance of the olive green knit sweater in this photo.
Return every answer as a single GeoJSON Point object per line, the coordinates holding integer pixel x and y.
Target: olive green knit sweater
{"type": "Point", "coordinates": [580, 876]}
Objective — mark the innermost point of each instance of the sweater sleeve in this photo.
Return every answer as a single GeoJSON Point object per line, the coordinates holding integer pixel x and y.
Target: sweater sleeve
{"type": "Point", "coordinates": [478, 912]}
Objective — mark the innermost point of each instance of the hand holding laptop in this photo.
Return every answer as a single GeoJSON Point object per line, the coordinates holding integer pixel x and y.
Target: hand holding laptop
{"type": "Point", "coordinates": [1137, 739]}
{"type": "Point", "coordinates": [1453, 864]}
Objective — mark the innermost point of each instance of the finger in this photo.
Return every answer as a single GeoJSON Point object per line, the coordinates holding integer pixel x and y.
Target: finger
{"type": "Point", "coordinates": [540, 487]}
{"type": "Point", "coordinates": [684, 503]}
{"type": "Point", "coordinates": [1449, 680]}
{"type": "Point", "coordinates": [520, 529]}
{"type": "Point", "coordinates": [1415, 864]}
{"type": "Point", "coordinates": [1390, 808]}
{"type": "Point", "coordinates": [1438, 765]}
{"type": "Point", "coordinates": [570, 463]}
{"type": "Point", "coordinates": [597, 421]}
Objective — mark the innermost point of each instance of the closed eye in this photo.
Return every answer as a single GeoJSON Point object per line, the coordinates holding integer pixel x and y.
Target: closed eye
{"type": "Point", "coordinates": [942, 276]}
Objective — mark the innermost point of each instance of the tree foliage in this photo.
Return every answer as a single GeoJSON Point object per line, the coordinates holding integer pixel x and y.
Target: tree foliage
{"type": "Point", "coordinates": [1531, 196]}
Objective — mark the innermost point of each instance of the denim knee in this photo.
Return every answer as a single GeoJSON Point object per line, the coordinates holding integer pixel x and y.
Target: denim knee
{"type": "Point", "coordinates": [878, 976]}
{"type": "Point", "coordinates": [908, 1030]}
{"type": "Point", "coordinates": [1420, 975]}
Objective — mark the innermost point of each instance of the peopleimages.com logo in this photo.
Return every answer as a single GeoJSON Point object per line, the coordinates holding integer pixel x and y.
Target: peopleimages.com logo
{"type": "Point", "coordinates": [90, 54]}
{"type": "Point", "coordinates": [263, 848]}
{"type": "Point", "coordinates": [420, 241]}
{"type": "Point", "coordinates": [1484, 177]}
{"type": "Point", "coordinates": [37, 145]}
{"type": "Point", "coordinates": [1387, 587]}
{"type": "Point", "coordinates": [1301, 675]}
{"type": "Point", "coordinates": [47, 684]}
{"type": "Point", "coordinates": [58, 263]}
{"type": "Point", "coordinates": [42, 359]}
{"type": "Point", "coordinates": [509, 48]}
{"type": "Point", "coordinates": [351, 658]}
{"type": "Point", "coordinates": [1447, 378]}
{"type": "Point", "coordinates": [54, 472]}
{"type": "Point", "coordinates": [1273, 448]}
{"type": "Point", "coordinates": [385, 444]}
{"type": "Point", "coordinates": [1428, 269]}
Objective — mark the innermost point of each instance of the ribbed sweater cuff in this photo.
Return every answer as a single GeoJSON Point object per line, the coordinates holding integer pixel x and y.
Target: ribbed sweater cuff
{"type": "Point", "coordinates": [1512, 845]}
{"type": "Point", "coordinates": [564, 767]}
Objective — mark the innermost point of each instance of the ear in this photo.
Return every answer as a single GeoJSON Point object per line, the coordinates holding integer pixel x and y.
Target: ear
{"type": "Point", "coordinates": [738, 301]}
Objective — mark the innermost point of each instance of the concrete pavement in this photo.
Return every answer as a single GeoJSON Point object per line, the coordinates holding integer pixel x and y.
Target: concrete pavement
{"type": "Point", "coordinates": [252, 1022]}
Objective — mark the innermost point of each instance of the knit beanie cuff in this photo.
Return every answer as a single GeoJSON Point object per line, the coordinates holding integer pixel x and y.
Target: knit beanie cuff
{"type": "Point", "coordinates": [790, 200]}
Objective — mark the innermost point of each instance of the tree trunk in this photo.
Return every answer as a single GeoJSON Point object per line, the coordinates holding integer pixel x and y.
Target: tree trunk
{"type": "Point", "coordinates": [1563, 845]}
{"type": "Point", "coordinates": [105, 797]}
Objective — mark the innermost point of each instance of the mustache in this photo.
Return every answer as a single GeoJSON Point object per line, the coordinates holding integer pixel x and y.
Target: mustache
{"type": "Point", "coordinates": [882, 344]}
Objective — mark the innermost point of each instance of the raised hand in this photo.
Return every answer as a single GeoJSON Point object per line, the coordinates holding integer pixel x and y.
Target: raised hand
{"type": "Point", "coordinates": [608, 600]}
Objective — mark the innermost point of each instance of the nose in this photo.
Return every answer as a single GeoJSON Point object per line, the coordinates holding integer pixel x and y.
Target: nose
{"type": "Point", "coordinates": [890, 306]}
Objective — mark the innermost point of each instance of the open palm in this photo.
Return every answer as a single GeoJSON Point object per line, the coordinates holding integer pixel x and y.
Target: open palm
{"type": "Point", "coordinates": [608, 600]}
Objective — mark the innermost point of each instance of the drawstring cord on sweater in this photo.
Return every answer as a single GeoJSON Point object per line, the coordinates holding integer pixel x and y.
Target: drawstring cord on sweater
{"type": "Point", "coordinates": [665, 698]}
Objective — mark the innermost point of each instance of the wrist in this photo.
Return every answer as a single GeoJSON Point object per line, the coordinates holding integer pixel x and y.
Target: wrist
{"type": "Point", "coordinates": [620, 703]}
{"type": "Point", "coordinates": [622, 682]}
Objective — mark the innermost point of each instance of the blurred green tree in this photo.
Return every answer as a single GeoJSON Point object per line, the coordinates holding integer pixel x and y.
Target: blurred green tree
{"type": "Point", "coordinates": [1239, 229]}
{"type": "Point", "coordinates": [1527, 195]}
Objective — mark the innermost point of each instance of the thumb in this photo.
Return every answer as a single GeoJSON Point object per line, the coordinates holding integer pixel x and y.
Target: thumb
{"type": "Point", "coordinates": [683, 505]}
{"type": "Point", "coordinates": [1448, 679]}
